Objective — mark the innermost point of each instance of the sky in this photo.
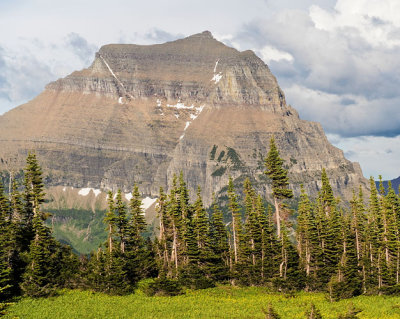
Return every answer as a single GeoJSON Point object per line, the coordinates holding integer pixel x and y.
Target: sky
{"type": "Point", "coordinates": [336, 60]}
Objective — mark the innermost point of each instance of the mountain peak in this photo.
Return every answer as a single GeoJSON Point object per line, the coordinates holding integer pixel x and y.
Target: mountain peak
{"type": "Point", "coordinates": [204, 35]}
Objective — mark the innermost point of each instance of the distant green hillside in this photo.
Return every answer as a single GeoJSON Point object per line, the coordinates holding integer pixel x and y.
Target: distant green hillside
{"type": "Point", "coordinates": [83, 230]}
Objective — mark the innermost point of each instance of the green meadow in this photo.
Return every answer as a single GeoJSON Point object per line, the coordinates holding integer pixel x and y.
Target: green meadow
{"type": "Point", "coordinates": [220, 302]}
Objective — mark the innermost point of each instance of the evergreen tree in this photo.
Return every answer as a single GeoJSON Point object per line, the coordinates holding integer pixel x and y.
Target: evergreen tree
{"type": "Point", "coordinates": [278, 175]}
{"type": "Point", "coordinates": [236, 220]}
{"type": "Point", "coordinates": [39, 277]}
{"type": "Point", "coordinates": [138, 222]}
{"type": "Point", "coordinates": [33, 198]}
{"type": "Point", "coordinates": [219, 244]}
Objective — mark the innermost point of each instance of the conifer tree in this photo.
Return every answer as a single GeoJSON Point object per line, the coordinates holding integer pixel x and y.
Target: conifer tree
{"type": "Point", "coordinates": [278, 175]}
{"type": "Point", "coordinates": [33, 198]}
{"type": "Point", "coordinates": [236, 220]}
{"type": "Point", "coordinates": [6, 246]}
{"type": "Point", "coordinates": [219, 243]}
{"type": "Point", "coordinates": [111, 221]}
{"type": "Point", "coordinates": [138, 222]}
{"type": "Point", "coordinates": [39, 277]}
{"type": "Point", "coordinates": [121, 220]}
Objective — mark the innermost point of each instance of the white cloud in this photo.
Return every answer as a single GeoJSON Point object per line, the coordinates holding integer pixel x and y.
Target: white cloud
{"type": "Point", "coordinates": [269, 54]}
{"type": "Point", "coordinates": [378, 155]}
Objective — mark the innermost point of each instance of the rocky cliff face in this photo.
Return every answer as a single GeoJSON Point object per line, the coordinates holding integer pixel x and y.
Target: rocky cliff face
{"type": "Point", "coordinates": [142, 113]}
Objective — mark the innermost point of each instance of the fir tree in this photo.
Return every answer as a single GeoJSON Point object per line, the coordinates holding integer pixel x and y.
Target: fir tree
{"type": "Point", "coordinates": [236, 219]}
{"type": "Point", "coordinates": [278, 175]}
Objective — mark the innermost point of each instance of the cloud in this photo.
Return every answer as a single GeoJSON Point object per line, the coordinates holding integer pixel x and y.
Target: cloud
{"type": "Point", "coordinates": [337, 66]}
{"type": "Point", "coordinates": [370, 151]}
{"type": "Point", "coordinates": [156, 35]}
{"type": "Point", "coordinates": [347, 115]}
{"type": "Point", "coordinates": [81, 47]}
{"type": "Point", "coordinates": [26, 68]}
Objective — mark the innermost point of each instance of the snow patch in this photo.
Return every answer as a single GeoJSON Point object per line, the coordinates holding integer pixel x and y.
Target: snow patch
{"type": "Point", "coordinates": [147, 202]}
{"type": "Point", "coordinates": [198, 110]}
{"type": "Point", "coordinates": [128, 196]}
{"type": "Point", "coordinates": [115, 77]}
{"type": "Point", "coordinates": [215, 67]}
{"type": "Point", "coordinates": [86, 191]}
{"type": "Point", "coordinates": [217, 77]}
{"type": "Point", "coordinates": [180, 105]}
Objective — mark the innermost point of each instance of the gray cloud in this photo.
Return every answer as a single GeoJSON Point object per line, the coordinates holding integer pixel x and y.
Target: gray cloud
{"type": "Point", "coordinates": [338, 75]}
{"type": "Point", "coordinates": [159, 36]}
{"type": "Point", "coordinates": [4, 86]}
{"type": "Point", "coordinates": [81, 47]}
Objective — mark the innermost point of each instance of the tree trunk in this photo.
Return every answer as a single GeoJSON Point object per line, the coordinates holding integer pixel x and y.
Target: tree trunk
{"type": "Point", "coordinates": [278, 218]}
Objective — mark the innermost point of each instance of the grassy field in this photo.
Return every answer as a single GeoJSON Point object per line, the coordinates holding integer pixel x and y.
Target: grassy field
{"type": "Point", "coordinates": [221, 302]}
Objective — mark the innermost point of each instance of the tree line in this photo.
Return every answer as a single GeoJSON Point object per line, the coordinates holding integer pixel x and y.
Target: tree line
{"type": "Point", "coordinates": [343, 251]}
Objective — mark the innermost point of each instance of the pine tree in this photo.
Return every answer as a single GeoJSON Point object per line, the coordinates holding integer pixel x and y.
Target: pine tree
{"type": "Point", "coordinates": [253, 230]}
{"type": "Point", "coordinates": [33, 198]}
{"type": "Point", "coordinates": [111, 221]}
{"type": "Point", "coordinates": [236, 219]}
{"type": "Point", "coordinates": [219, 244]}
{"type": "Point", "coordinates": [121, 220]}
{"type": "Point", "coordinates": [163, 250]}
{"type": "Point", "coordinates": [39, 277]}
{"type": "Point", "coordinates": [138, 222]}
{"type": "Point", "coordinates": [276, 172]}
{"type": "Point", "coordinates": [6, 246]}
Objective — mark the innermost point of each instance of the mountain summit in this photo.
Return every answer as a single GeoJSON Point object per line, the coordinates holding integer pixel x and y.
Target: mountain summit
{"type": "Point", "coordinates": [141, 113]}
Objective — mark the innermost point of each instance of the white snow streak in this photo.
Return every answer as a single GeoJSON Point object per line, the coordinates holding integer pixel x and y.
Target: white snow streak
{"type": "Point", "coordinates": [180, 105]}
{"type": "Point", "coordinates": [215, 67]}
{"type": "Point", "coordinates": [115, 77]}
{"type": "Point", "coordinates": [193, 117]}
{"type": "Point", "coordinates": [217, 76]}
{"type": "Point", "coordinates": [86, 191]}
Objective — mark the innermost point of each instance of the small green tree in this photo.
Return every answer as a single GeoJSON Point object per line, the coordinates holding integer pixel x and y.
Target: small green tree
{"type": "Point", "coordinates": [280, 181]}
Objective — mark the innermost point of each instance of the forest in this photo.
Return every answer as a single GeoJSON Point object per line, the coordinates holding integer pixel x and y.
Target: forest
{"type": "Point", "coordinates": [340, 250]}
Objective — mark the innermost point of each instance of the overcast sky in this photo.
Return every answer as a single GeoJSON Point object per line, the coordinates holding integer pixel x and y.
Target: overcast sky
{"type": "Point", "coordinates": [338, 61]}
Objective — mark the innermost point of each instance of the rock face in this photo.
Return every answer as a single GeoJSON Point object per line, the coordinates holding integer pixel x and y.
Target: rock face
{"type": "Point", "coordinates": [142, 113]}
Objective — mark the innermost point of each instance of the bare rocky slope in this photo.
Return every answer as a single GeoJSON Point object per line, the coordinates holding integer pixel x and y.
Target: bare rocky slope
{"type": "Point", "coordinates": [142, 113]}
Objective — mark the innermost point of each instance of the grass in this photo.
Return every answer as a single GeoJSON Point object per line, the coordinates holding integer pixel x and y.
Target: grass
{"type": "Point", "coordinates": [221, 302]}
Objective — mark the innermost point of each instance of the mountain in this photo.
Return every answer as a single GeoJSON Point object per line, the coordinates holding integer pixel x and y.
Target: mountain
{"type": "Point", "coordinates": [141, 113]}
{"type": "Point", "coordinates": [395, 184]}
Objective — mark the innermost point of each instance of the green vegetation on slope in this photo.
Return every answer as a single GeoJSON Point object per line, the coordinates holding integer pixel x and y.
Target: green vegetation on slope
{"type": "Point", "coordinates": [221, 302]}
{"type": "Point", "coordinates": [81, 229]}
